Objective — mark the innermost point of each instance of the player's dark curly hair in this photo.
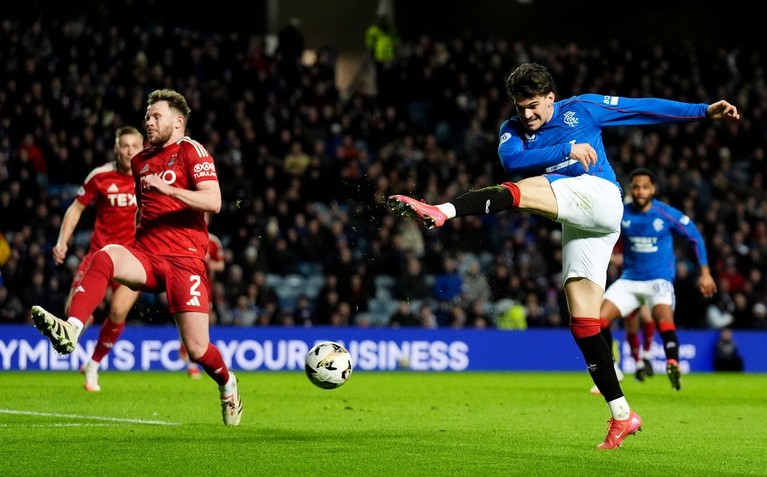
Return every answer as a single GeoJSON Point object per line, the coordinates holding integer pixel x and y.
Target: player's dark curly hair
{"type": "Point", "coordinates": [175, 100]}
{"type": "Point", "coordinates": [529, 80]}
{"type": "Point", "coordinates": [642, 171]}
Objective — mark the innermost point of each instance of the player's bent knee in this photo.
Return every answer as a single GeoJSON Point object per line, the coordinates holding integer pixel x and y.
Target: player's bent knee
{"type": "Point", "coordinates": [196, 352]}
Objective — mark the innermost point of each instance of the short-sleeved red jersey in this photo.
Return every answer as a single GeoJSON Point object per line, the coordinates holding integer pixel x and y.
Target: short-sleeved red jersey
{"type": "Point", "coordinates": [114, 195]}
{"type": "Point", "coordinates": [215, 249]}
{"type": "Point", "coordinates": [165, 225]}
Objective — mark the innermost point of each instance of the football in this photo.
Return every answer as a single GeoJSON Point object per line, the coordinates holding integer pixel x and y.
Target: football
{"type": "Point", "coordinates": [328, 365]}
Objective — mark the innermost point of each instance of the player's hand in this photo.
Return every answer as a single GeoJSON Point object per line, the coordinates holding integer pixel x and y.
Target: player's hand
{"type": "Point", "coordinates": [722, 110]}
{"type": "Point", "coordinates": [59, 253]}
{"type": "Point", "coordinates": [153, 182]}
{"type": "Point", "coordinates": [585, 154]}
{"type": "Point", "coordinates": [706, 285]}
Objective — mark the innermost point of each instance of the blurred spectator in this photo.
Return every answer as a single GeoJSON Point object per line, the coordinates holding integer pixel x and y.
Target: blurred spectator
{"type": "Point", "coordinates": [244, 312]}
{"type": "Point", "coordinates": [456, 317]}
{"type": "Point", "coordinates": [381, 39]}
{"type": "Point", "coordinates": [296, 160]}
{"type": "Point", "coordinates": [263, 294]}
{"type": "Point", "coordinates": [535, 313]}
{"type": "Point", "coordinates": [726, 354]}
{"type": "Point", "coordinates": [475, 288]}
{"type": "Point", "coordinates": [358, 292]}
{"type": "Point", "coordinates": [36, 292]}
{"type": "Point", "coordinates": [221, 311]}
{"type": "Point", "coordinates": [512, 315]}
{"type": "Point", "coordinates": [235, 283]}
{"type": "Point", "coordinates": [411, 284]}
{"type": "Point", "coordinates": [499, 282]}
{"type": "Point", "coordinates": [690, 312]}
{"type": "Point", "coordinates": [448, 284]}
{"type": "Point", "coordinates": [426, 317]}
{"type": "Point", "coordinates": [478, 317]}
{"type": "Point", "coordinates": [281, 258]}
{"type": "Point", "coordinates": [742, 311]}
{"type": "Point", "coordinates": [303, 313]}
{"type": "Point", "coordinates": [731, 277]}
{"type": "Point", "coordinates": [719, 312]}
{"type": "Point", "coordinates": [290, 49]}
{"type": "Point", "coordinates": [760, 316]}
{"type": "Point", "coordinates": [12, 310]}
{"type": "Point", "coordinates": [341, 315]}
{"type": "Point", "coordinates": [327, 302]}
{"type": "Point", "coordinates": [28, 150]}
{"type": "Point", "coordinates": [410, 238]}
{"type": "Point", "coordinates": [404, 317]}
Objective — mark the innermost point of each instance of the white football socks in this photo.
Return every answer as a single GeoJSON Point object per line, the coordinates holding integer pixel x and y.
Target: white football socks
{"type": "Point", "coordinates": [619, 408]}
{"type": "Point", "coordinates": [228, 388]}
{"type": "Point", "coordinates": [448, 209]}
{"type": "Point", "coordinates": [77, 325]}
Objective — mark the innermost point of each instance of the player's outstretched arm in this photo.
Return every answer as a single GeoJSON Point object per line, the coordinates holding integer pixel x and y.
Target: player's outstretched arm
{"type": "Point", "coordinates": [722, 110]}
{"type": "Point", "coordinates": [68, 224]}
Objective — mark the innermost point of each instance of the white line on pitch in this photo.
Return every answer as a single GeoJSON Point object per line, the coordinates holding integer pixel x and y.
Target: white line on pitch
{"type": "Point", "coordinates": [95, 418]}
{"type": "Point", "coordinates": [70, 424]}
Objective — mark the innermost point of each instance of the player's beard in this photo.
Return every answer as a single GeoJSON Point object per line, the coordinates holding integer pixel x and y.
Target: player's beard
{"type": "Point", "coordinates": [162, 137]}
{"type": "Point", "coordinates": [641, 202]}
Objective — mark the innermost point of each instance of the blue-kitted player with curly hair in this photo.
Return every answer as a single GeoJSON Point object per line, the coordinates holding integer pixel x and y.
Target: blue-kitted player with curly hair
{"type": "Point", "coordinates": [557, 146]}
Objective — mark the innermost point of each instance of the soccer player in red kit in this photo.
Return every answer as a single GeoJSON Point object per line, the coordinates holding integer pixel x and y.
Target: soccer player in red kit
{"type": "Point", "coordinates": [110, 187]}
{"type": "Point", "coordinates": [176, 184]}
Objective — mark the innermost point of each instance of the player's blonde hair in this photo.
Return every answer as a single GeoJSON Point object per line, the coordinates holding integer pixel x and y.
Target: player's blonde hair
{"type": "Point", "coordinates": [127, 131]}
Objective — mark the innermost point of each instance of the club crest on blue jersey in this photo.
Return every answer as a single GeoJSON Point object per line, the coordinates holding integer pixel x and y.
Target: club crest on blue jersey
{"type": "Point", "coordinates": [570, 119]}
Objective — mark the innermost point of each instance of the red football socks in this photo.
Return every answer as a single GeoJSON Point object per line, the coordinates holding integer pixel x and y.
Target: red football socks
{"type": "Point", "coordinates": [108, 335]}
{"type": "Point", "coordinates": [213, 364]}
{"type": "Point", "coordinates": [93, 287]}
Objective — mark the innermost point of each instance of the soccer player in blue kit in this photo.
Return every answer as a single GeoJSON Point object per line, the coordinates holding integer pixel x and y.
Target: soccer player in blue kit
{"type": "Point", "coordinates": [557, 147]}
{"type": "Point", "coordinates": [649, 266]}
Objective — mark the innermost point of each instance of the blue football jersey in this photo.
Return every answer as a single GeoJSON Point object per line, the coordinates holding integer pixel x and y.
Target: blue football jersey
{"type": "Point", "coordinates": [648, 242]}
{"type": "Point", "coordinates": [580, 119]}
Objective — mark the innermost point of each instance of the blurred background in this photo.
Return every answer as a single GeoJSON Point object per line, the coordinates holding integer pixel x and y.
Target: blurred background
{"type": "Point", "coordinates": [317, 111]}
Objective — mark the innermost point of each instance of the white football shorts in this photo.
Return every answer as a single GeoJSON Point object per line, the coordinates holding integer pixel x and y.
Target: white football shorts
{"type": "Point", "coordinates": [628, 295]}
{"type": "Point", "coordinates": [590, 211]}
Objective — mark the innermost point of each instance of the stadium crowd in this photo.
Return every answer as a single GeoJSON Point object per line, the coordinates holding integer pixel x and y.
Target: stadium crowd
{"type": "Point", "coordinates": [305, 169]}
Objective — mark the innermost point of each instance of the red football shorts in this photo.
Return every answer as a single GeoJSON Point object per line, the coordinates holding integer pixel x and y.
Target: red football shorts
{"type": "Point", "coordinates": [183, 279]}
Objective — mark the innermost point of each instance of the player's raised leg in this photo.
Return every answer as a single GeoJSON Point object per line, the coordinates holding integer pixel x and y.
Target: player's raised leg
{"type": "Point", "coordinates": [111, 262]}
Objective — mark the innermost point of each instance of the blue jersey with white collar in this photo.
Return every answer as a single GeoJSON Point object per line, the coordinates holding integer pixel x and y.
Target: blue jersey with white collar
{"type": "Point", "coordinates": [648, 242]}
{"type": "Point", "coordinates": [580, 119]}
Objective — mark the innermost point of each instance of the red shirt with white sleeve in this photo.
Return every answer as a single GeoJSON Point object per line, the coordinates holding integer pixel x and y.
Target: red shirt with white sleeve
{"type": "Point", "coordinates": [114, 195]}
{"type": "Point", "coordinates": [167, 226]}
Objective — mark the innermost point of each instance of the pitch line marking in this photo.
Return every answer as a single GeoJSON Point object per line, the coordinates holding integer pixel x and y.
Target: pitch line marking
{"type": "Point", "coordinates": [70, 424]}
{"type": "Point", "coordinates": [94, 418]}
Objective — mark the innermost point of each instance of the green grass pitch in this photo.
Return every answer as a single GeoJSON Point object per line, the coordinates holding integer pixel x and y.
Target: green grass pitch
{"type": "Point", "coordinates": [378, 424]}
